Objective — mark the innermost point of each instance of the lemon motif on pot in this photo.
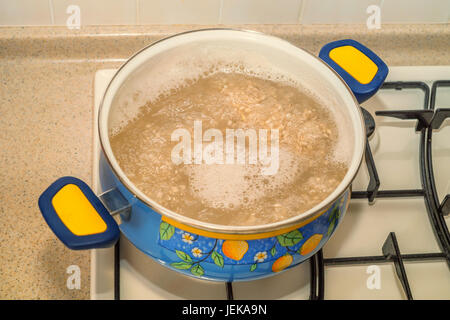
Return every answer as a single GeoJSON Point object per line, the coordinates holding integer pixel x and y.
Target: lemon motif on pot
{"type": "Point", "coordinates": [234, 249]}
{"type": "Point", "coordinates": [282, 263]}
{"type": "Point", "coordinates": [310, 244]}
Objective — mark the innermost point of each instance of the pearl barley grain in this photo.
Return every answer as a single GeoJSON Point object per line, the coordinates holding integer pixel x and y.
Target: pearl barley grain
{"type": "Point", "coordinates": [233, 194]}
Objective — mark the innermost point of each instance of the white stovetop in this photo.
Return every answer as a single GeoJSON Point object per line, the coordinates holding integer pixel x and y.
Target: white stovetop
{"type": "Point", "coordinates": [395, 148]}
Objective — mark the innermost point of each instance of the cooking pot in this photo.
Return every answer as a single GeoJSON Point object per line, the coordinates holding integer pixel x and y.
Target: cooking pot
{"type": "Point", "coordinates": [345, 74]}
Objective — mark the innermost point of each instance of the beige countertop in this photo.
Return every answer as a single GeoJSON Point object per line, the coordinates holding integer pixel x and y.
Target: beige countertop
{"type": "Point", "coordinates": [46, 103]}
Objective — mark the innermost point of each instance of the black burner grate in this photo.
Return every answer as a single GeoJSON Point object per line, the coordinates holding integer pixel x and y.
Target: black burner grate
{"type": "Point", "coordinates": [428, 118]}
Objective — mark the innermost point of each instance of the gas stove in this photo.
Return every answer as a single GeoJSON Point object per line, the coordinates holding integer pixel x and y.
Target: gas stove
{"type": "Point", "coordinates": [394, 242]}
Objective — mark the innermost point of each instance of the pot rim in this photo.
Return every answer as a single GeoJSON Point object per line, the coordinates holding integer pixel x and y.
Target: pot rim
{"type": "Point", "coordinates": [231, 229]}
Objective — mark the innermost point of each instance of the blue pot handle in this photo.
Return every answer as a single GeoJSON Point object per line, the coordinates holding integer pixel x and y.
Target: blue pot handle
{"type": "Point", "coordinates": [77, 216]}
{"type": "Point", "coordinates": [362, 70]}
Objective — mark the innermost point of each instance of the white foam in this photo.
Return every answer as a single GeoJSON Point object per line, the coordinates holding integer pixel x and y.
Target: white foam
{"type": "Point", "coordinates": [233, 186]}
{"type": "Point", "coordinates": [176, 69]}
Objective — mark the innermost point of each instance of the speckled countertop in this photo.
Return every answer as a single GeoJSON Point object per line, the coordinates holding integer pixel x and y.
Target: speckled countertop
{"type": "Point", "coordinates": [46, 103]}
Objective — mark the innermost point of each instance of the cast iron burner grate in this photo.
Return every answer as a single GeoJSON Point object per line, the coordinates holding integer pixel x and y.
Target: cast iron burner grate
{"type": "Point", "coordinates": [428, 118]}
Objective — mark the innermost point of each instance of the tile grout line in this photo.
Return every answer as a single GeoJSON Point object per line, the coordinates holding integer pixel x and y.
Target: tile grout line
{"type": "Point", "coordinates": [301, 11]}
{"type": "Point", "coordinates": [52, 13]}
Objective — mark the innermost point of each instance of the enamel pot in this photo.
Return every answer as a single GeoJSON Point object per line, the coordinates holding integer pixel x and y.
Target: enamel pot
{"type": "Point", "coordinates": [345, 74]}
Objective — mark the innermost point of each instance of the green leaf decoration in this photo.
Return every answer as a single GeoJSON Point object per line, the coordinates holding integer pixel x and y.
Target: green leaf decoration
{"type": "Point", "coordinates": [253, 267]}
{"type": "Point", "coordinates": [338, 212]}
{"type": "Point", "coordinates": [197, 270]}
{"type": "Point", "coordinates": [217, 258]}
{"type": "Point", "coordinates": [183, 256]}
{"type": "Point", "coordinates": [290, 239]}
{"type": "Point", "coordinates": [331, 216]}
{"type": "Point", "coordinates": [331, 227]}
{"type": "Point", "coordinates": [273, 251]}
{"type": "Point", "coordinates": [166, 230]}
{"type": "Point", "coordinates": [181, 265]}
{"type": "Point", "coordinates": [335, 213]}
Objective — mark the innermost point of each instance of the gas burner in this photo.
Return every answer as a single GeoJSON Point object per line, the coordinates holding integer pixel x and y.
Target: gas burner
{"type": "Point", "coordinates": [390, 249]}
{"type": "Point", "coordinates": [370, 242]}
{"type": "Point", "coordinates": [427, 121]}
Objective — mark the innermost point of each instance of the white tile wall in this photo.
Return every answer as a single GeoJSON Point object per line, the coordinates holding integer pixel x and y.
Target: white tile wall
{"type": "Point", "coordinates": [260, 11]}
{"type": "Point", "coordinates": [336, 11]}
{"type": "Point", "coordinates": [98, 12]}
{"type": "Point", "coordinates": [415, 11]}
{"type": "Point", "coordinates": [179, 11]}
{"type": "Point", "coordinates": [25, 12]}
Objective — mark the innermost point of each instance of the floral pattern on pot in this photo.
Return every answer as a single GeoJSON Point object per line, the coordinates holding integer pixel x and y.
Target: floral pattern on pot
{"type": "Point", "coordinates": [196, 254]}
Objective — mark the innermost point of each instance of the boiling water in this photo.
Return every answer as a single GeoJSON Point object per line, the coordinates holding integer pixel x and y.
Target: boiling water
{"type": "Point", "coordinates": [234, 193]}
